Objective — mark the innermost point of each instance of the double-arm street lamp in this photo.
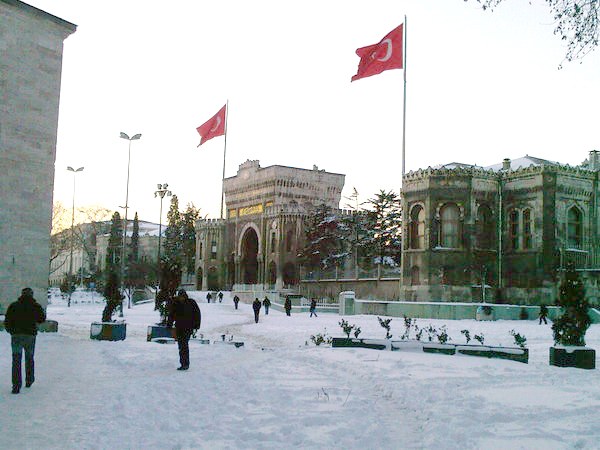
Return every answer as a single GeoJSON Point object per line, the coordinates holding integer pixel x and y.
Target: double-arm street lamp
{"type": "Point", "coordinates": [70, 169]}
{"type": "Point", "coordinates": [161, 192]}
{"type": "Point", "coordinates": [135, 137]}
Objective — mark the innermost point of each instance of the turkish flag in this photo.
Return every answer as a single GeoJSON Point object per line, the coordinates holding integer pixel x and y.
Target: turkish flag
{"type": "Point", "coordinates": [377, 58]}
{"type": "Point", "coordinates": [213, 127]}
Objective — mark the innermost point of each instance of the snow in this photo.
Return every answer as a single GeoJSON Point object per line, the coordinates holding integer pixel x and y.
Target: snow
{"type": "Point", "coordinates": [280, 391]}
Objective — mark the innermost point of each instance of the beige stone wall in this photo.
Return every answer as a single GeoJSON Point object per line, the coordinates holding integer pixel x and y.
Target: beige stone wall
{"type": "Point", "coordinates": [31, 45]}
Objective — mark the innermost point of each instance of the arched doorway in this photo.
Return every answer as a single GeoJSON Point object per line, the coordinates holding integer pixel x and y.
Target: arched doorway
{"type": "Point", "coordinates": [272, 276]}
{"type": "Point", "coordinates": [199, 278]}
{"type": "Point", "coordinates": [249, 253]}
{"type": "Point", "coordinates": [213, 279]}
{"type": "Point", "coordinates": [290, 278]}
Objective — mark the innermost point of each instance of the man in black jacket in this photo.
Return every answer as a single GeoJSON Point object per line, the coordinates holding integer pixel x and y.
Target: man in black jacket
{"type": "Point", "coordinates": [21, 322]}
{"type": "Point", "coordinates": [186, 315]}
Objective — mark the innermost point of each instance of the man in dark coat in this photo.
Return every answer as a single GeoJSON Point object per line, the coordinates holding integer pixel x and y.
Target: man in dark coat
{"type": "Point", "coordinates": [186, 315]}
{"type": "Point", "coordinates": [236, 300]}
{"type": "Point", "coordinates": [220, 295]}
{"type": "Point", "coordinates": [256, 308]}
{"type": "Point", "coordinates": [287, 305]}
{"type": "Point", "coordinates": [266, 304]}
{"type": "Point", "coordinates": [21, 322]}
{"type": "Point", "coordinates": [543, 314]}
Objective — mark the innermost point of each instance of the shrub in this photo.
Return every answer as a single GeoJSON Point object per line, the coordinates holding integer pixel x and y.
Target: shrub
{"type": "Point", "coordinates": [519, 340]}
{"type": "Point", "coordinates": [443, 335]}
{"type": "Point", "coordinates": [431, 332]}
{"type": "Point", "coordinates": [408, 323]}
{"type": "Point", "coordinates": [467, 335]}
{"type": "Point", "coordinates": [571, 326]}
{"type": "Point", "coordinates": [385, 324]}
{"type": "Point", "coordinates": [346, 327]}
{"type": "Point", "coordinates": [319, 339]}
{"type": "Point", "coordinates": [356, 332]}
{"type": "Point", "coordinates": [479, 338]}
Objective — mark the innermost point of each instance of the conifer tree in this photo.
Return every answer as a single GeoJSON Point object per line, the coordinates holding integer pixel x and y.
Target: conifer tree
{"type": "Point", "coordinates": [188, 236]}
{"type": "Point", "coordinates": [113, 250]}
{"type": "Point", "coordinates": [571, 326]}
{"type": "Point", "coordinates": [385, 226]}
{"type": "Point", "coordinates": [324, 243]}
{"type": "Point", "coordinates": [135, 240]}
{"type": "Point", "coordinates": [173, 243]}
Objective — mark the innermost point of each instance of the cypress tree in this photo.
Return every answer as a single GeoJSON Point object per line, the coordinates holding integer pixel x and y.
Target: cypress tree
{"type": "Point", "coordinates": [135, 240]}
{"type": "Point", "coordinates": [113, 250]}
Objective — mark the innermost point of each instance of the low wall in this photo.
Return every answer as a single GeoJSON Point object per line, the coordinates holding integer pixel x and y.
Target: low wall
{"type": "Point", "coordinates": [384, 289]}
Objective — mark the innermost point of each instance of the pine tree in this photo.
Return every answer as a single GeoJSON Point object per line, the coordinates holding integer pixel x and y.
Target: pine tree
{"type": "Point", "coordinates": [113, 250]}
{"type": "Point", "coordinates": [111, 294]}
{"type": "Point", "coordinates": [135, 241]}
{"type": "Point", "coordinates": [385, 230]}
{"type": "Point", "coordinates": [571, 326]}
{"type": "Point", "coordinates": [173, 243]}
{"type": "Point", "coordinates": [354, 228]}
{"type": "Point", "coordinates": [324, 239]}
{"type": "Point", "coordinates": [188, 236]}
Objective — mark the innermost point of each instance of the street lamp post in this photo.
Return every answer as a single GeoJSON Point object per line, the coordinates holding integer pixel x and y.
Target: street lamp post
{"type": "Point", "coordinates": [135, 137]}
{"type": "Point", "coordinates": [70, 169]}
{"type": "Point", "coordinates": [161, 192]}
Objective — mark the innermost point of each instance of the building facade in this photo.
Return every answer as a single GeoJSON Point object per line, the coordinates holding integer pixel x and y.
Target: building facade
{"type": "Point", "coordinates": [31, 45]}
{"type": "Point", "coordinates": [259, 240]}
{"type": "Point", "coordinates": [503, 233]}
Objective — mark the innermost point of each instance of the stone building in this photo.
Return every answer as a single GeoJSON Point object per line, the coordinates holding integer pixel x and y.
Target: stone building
{"type": "Point", "coordinates": [31, 44]}
{"type": "Point", "coordinates": [510, 228]}
{"type": "Point", "coordinates": [258, 241]}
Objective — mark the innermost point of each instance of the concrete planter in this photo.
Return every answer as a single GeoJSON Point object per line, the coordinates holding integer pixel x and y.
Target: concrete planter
{"type": "Point", "coordinates": [49, 326]}
{"type": "Point", "coordinates": [108, 331]}
{"type": "Point", "coordinates": [444, 349]}
{"type": "Point", "coordinates": [579, 357]}
{"type": "Point", "coordinates": [375, 344]}
{"type": "Point", "coordinates": [409, 345]}
{"type": "Point", "coordinates": [511, 353]}
{"type": "Point", "coordinates": [160, 331]}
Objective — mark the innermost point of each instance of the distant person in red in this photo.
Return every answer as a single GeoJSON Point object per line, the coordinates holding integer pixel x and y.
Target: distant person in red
{"type": "Point", "coordinates": [185, 313]}
{"type": "Point", "coordinates": [21, 322]}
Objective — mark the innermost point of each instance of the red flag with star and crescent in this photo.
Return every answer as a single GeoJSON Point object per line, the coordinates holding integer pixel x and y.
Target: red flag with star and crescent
{"type": "Point", "coordinates": [385, 55]}
{"type": "Point", "coordinates": [213, 127]}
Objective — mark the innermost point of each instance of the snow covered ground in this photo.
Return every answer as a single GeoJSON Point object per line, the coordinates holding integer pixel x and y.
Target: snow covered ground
{"type": "Point", "coordinates": [281, 391]}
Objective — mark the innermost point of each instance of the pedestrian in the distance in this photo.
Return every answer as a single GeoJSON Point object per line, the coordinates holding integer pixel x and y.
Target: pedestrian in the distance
{"type": "Point", "coordinates": [21, 322]}
{"type": "Point", "coordinates": [236, 300]}
{"type": "Point", "coordinates": [287, 305]}
{"type": "Point", "coordinates": [256, 308]}
{"type": "Point", "coordinates": [543, 314]}
{"type": "Point", "coordinates": [185, 313]}
{"type": "Point", "coordinates": [266, 304]}
{"type": "Point", "coordinates": [208, 297]}
{"type": "Point", "coordinates": [313, 307]}
{"type": "Point", "coordinates": [220, 295]}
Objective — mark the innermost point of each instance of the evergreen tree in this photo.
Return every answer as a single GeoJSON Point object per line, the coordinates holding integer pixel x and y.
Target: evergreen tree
{"type": "Point", "coordinates": [173, 242]}
{"type": "Point", "coordinates": [571, 326]}
{"type": "Point", "coordinates": [135, 241]}
{"type": "Point", "coordinates": [354, 228]}
{"type": "Point", "coordinates": [113, 250]}
{"type": "Point", "coordinates": [385, 226]}
{"type": "Point", "coordinates": [112, 295]}
{"type": "Point", "coordinates": [188, 236]}
{"type": "Point", "coordinates": [324, 239]}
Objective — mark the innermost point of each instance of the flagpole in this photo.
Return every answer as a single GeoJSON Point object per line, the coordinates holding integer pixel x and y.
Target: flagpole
{"type": "Point", "coordinates": [224, 153]}
{"type": "Point", "coordinates": [404, 227]}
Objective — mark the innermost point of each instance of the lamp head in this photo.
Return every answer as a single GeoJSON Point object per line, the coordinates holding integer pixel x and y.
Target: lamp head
{"type": "Point", "coordinates": [124, 136]}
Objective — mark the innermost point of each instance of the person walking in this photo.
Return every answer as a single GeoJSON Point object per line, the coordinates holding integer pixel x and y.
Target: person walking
{"type": "Point", "coordinates": [313, 307]}
{"type": "Point", "coordinates": [186, 315]}
{"type": "Point", "coordinates": [220, 295]}
{"type": "Point", "coordinates": [543, 314]}
{"type": "Point", "coordinates": [266, 303]}
{"type": "Point", "coordinates": [256, 308]}
{"type": "Point", "coordinates": [208, 297]}
{"type": "Point", "coordinates": [287, 305]}
{"type": "Point", "coordinates": [236, 300]}
{"type": "Point", "coordinates": [21, 321]}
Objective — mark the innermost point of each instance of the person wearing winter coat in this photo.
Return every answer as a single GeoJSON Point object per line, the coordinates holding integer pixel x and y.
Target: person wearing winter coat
{"type": "Point", "coordinates": [186, 315]}
{"type": "Point", "coordinates": [266, 303]}
{"type": "Point", "coordinates": [236, 300]}
{"type": "Point", "coordinates": [256, 308]}
{"type": "Point", "coordinates": [287, 305]}
{"type": "Point", "coordinates": [313, 307]}
{"type": "Point", "coordinates": [220, 295]}
{"type": "Point", "coordinates": [208, 297]}
{"type": "Point", "coordinates": [21, 320]}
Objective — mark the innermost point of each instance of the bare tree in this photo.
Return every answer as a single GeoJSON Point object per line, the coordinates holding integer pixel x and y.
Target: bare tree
{"type": "Point", "coordinates": [576, 23]}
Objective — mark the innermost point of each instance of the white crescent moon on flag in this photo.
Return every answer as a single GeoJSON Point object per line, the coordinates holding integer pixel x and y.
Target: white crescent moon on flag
{"type": "Point", "coordinates": [217, 125]}
{"type": "Point", "coordinates": [388, 54]}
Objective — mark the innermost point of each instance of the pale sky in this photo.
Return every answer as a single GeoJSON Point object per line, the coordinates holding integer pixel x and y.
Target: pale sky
{"type": "Point", "coordinates": [482, 86]}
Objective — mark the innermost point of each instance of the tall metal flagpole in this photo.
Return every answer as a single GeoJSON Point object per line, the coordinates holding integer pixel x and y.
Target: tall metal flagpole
{"type": "Point", "coordinates": [224, 152]}
{"type": "Point", "coordinates": [404, 228]}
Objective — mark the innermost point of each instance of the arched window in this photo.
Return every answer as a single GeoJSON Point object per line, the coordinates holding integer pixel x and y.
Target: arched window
{"type": "Point", "coordinates": [574, 227]}
{"type": "Point", "coordinates": [485, 227]}
{"type": "Point", "coordinates": [414, 276]}
{"type": "Point", "coordinates": [513, 229]}
{"type": "Point", "coordinates": [417, 227]}
{"type": "Point", "coordinates": [527, 233]}
{"type": "Point", "coordinates": [449, 218]}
